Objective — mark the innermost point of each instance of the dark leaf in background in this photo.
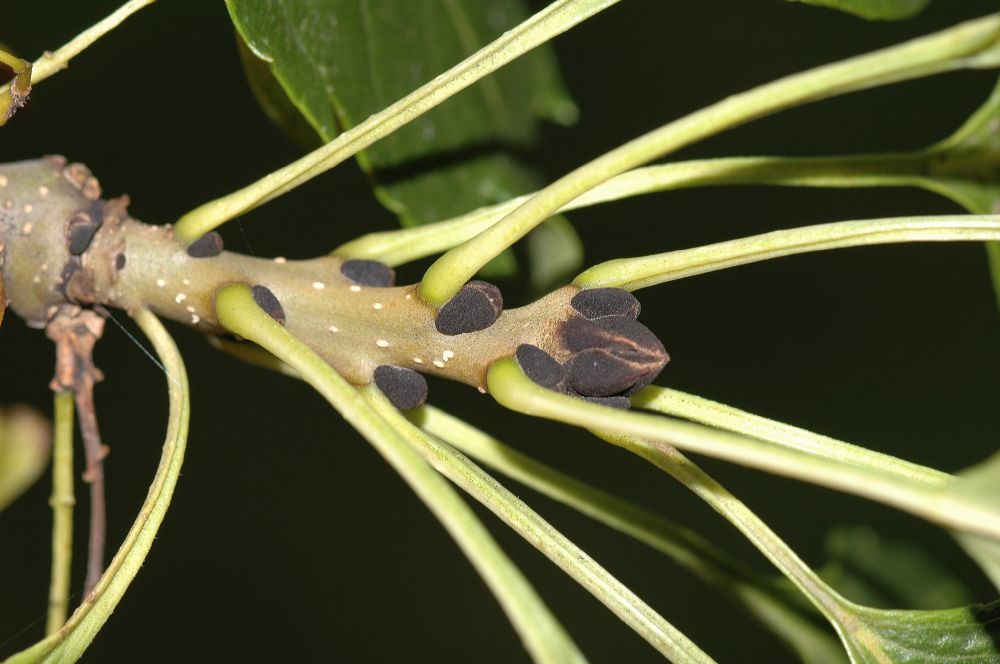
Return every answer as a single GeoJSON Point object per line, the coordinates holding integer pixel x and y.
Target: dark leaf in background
{"type": "Point", "coordinates": [870, 569]}
{"type": "Point", "coordinates": [340, 61]}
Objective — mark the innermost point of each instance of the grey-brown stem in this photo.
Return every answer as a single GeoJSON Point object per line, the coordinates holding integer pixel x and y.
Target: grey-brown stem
{"type": "Point", "coordinates": [46, 206]}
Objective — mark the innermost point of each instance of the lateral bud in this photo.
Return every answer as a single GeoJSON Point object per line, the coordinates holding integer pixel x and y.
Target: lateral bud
{"type": "Point", "coordinates": [404, 388]}
{"type": "Point", "coordinates": [269, 302]}
{"type": "Point", "coordinates": [474, 308]}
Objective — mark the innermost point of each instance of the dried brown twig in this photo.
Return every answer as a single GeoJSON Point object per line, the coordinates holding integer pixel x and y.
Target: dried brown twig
{"type": "Point", "coordinates": [75, 331]}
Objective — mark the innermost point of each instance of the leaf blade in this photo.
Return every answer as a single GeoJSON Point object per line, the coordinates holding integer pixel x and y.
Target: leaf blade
{"type": "Point", "coordinates": [966, 634]}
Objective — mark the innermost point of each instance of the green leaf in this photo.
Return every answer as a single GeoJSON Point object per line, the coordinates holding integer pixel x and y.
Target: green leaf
{"type": "Point", "coordinates": [874, 9]}
{"type": "Point", "coordinates": [871, 569]}
{"type": "Point", "coordinates": [340, 61]}
{"type": "Point", "coordinates": [25, 444]}
{"type": "Point", "coordinates": [968, 634]}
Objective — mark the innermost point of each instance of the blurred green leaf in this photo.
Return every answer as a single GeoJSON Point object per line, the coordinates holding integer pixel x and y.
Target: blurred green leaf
{"type": "Point", "coordinates": [555, 252]}
{"type": "Point", "coordinates": [981, 484]}
{"type": "Point", "coordinates": [886, 10]}
{"type": "Point", "coordinates": [25, 445]}
{"type": "Point", "coordinates": [340, 61]}
{"type": "Point", "coordinates": [869, 569]}
{"type": "Point", "coordinates": [985, 552]}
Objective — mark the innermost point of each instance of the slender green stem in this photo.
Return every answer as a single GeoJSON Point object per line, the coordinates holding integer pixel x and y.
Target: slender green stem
{"type": "Point", "coordinates": [669, 460]}
{"type": "Point", "coordinates": [776, 607]}
{"type": "Point", "coordinates": [69, 643]}
{"type": "Point", "coordinates": [635, 273]}
{"type": "Point", "coordinates": [513, 389]}
{"type": "Point", "coordinates": [685, 546]}
{"type": "Point", "coordinates": [55, 61]}
{"type": "Point", "coordinates": [544, 637]}
{"type": "Point", "coordinates": [401, 246]}
{"type": "Point", "coordinates": [541, 535]}
{"type": "Point", "coordinates": [62, 502]}
{"type": "Point", "coordinates": [555, 19]}
{"type": "Point", "coordinates": [970, 44]}
{"type": "Point", "coordinates": [713, 414]}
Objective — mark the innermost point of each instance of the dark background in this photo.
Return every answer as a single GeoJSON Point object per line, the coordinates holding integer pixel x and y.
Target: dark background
{"type": "Point", "coordinates": [289, 539]}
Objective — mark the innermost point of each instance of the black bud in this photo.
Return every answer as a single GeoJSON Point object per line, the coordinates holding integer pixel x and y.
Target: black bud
{"type": "Point", "coordinates": [266, 300]}
{"type": "Point", "coordinates": [207, 246]}
{"type": "Point", "coordinates": [599, 373]}
{"type": "Point", "coordinates": [83, 226]}
{"type": "Point", "coordinates": [540, 367]}
{"type": "Point", "coordinates": [403, 387]}
{"type": "Point", "coordinates": [80, 233]}
{"type": "Point", "coordinates": [611, 355]}
{"type": "Point", "coordinates": [597, 303]}
{"type": "Point", "coordinates": [369, 273]}
{"type": "Point", "coordinates": [614, 402]}
{"type": "Point", "coordinates": [69, 272]}
{"type": "Point", "coordinates": [613, 331]}
{"type": "Point", "coordinates": [120, 261]}
{"type": "Point", "coordinates": [474, 308]}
